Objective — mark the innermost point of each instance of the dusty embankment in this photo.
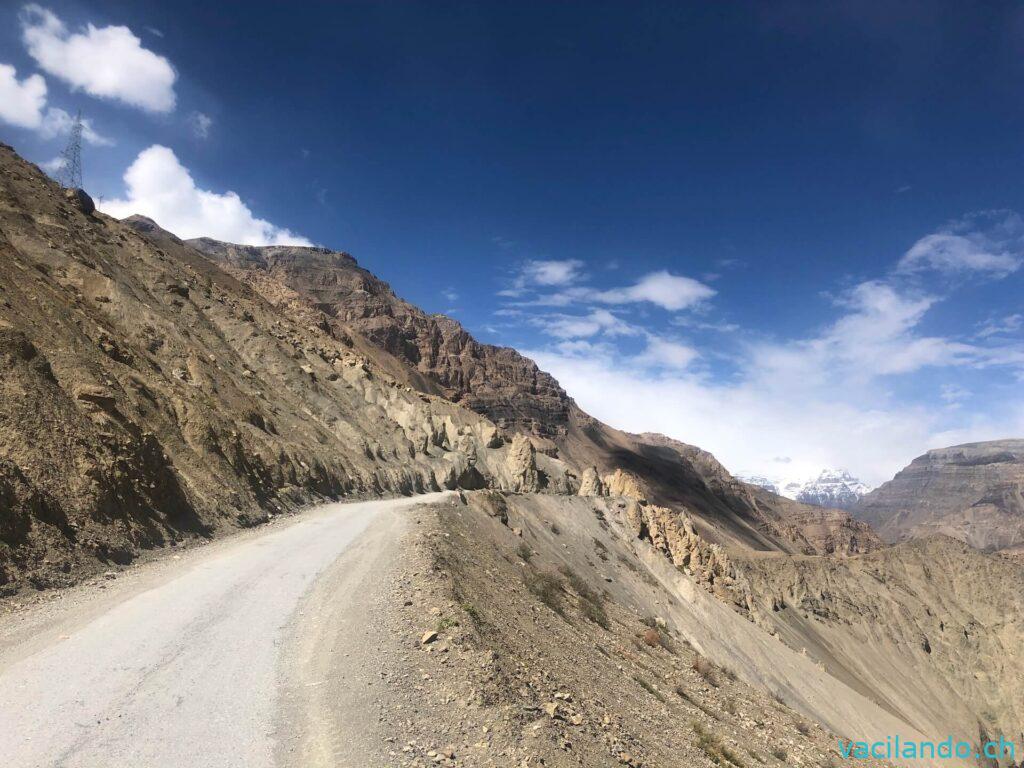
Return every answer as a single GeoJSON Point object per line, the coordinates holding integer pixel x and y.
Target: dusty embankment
{"type": "Point", "coordinates": [563, 640]}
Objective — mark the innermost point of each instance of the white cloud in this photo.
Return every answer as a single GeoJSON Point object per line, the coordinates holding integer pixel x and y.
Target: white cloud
{"type": "Point", "coordinates": [53, 166]}
{"type": "Point", "coordinates": [546, 273]}
{"type": "Point", "coordinates": [745, 423]}
{"type": "Point", "coordinates": [823, 399]}
{"type": "Point", "coordinates": [582, 326]}
{"type": "Point", "coordinates": [671, 292]}
{"type": "Point", "coordinates": [665, 354]}
{"type": "Point", "coordinates": [553, 272]}
{"type": "Point", "coordinates": [1004, 326]}
{"type": "Point", "coordinates": [160, 187]}
{"type": "Point", "coordinates": [990, 243]}
{"type": "Point", "coordinates": [21, 102]}
{"type": "Point", "coordinates": [201, 124]}
{"type": "Point", "coordinates": [106, 62]}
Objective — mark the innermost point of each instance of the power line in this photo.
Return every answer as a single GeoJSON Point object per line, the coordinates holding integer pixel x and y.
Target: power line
{"type": "Point", "coordinates": [70, 174]}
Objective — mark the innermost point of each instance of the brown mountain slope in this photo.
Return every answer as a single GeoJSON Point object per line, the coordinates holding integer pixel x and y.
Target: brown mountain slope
{"type": "Point", "coordinates": [932, 630]}
{"type": "Point", "coordinates": [147, 396]}
{"type": "Point", "coordinates": [508, 388]}
{"type": "Point", "coordinates": [498, 382]}
{"type": "Point", "coordinates": [972, 492]}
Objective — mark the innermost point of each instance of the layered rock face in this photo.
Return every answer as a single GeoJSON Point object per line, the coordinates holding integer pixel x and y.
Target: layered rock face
{"type": "Point", "coordinates": [972, 492]}
{"type": "Point", "coordinates": [497, 382]}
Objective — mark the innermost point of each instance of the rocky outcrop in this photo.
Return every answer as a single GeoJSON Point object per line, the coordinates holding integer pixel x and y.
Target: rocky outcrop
{"type": "Point", "coordinates": [672, 533]}
{"type": "Point", "coordinates": [972, 492]}
{"type": "Point", "coordinates": [624, 483]}
{"type": "Point", "coordinates": [590, 483]}
{"type": "Point", "coordinates": [521, 466]}
{"type": "Point", "coordinates": [932, 628]}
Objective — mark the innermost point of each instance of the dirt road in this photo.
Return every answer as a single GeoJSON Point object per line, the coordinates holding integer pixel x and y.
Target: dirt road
{"type": "Point", "coordinates": [186, 662]}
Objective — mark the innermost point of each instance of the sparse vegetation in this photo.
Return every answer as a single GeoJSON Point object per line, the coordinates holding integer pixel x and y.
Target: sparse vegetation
{"type": "Point", "coordinates": [652, 638]}
{"type": "Point", "coordinates": [445, 623]}
{"type": "Point", "coordinates": [600, 549]}
{"type": "Point", "coordinates": [705, 669]}
{"type": "Point", "coordinates": [524, 552]}
{"type": "Point", "coordinates": [713, 747]}
{"type": "Point", "coordinates": [591, 601]}
{"type": "Point", "coordinates": [803, 728]}
{"type": "Point", "coordinates": [547, 587]}
{"type": "Point", "coordinates": [596, 613]}
{"type": "Point", "coordinates": [554, 528]}
{"type": "Point", "coordinates": [780, 754]}
{"type": "Point", "coordinates": [650, 688]}
{"type": "Point", "coordinates": [473, 613]}
{"type": "Point", "coordinates": [685, 696]}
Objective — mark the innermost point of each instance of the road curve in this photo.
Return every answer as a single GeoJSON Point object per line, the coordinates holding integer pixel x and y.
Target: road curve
{"type": "Point", "coordinates": [186, 671]}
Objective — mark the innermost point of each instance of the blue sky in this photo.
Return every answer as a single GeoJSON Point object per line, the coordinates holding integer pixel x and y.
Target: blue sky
{"type": "Point", "coordinates": [786, 232]}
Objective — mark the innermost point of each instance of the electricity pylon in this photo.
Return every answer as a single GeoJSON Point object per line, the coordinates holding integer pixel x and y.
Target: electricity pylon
{"type": "Point", "coordinates": [70, 174]}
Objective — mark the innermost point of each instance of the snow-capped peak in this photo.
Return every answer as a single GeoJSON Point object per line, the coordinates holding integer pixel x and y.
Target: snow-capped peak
{"type": "Point", "coordinates": [835, 488]}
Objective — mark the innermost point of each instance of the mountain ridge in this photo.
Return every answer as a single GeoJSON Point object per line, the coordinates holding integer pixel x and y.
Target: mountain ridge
{"type": "Point", "coordinates": [972, 492]}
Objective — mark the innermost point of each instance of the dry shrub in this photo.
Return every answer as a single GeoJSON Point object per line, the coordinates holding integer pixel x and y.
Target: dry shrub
{"type": "Point", "coordinates": [705, 669]}
{"type": "Point", "coordinates": [547, 587]}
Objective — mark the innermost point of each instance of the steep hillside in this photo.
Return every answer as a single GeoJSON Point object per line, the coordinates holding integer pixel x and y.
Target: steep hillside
{"type": "Point", "coordinates": [508, 388]}
{"type": "Point", "coordinates": [931, 630]}
{"type": "Point", "coordinates": [972, 492]}
{"type": "Point", "coordinates": [147, 396]}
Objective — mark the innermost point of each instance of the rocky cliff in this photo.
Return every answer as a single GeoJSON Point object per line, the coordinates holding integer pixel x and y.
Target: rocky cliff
{"type": "Point", "coordinates": [972, 492]}
{"type": "Point", "coordinates": [496, 381]}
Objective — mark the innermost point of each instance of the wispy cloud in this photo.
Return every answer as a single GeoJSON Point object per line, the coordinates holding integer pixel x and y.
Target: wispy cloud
{"type": "Point", "coordinates": [201, 124]}
{"type": "Point", "coordinates": [989, 243]}
{"type": "Point", "coordinates": [662, 288]}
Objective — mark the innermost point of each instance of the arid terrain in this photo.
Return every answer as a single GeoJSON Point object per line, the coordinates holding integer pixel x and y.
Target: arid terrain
{"type": "Point", "coordinates": [580, 596]}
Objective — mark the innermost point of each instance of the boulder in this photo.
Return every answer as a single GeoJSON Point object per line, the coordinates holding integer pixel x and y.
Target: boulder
{"type": "Point", "coordinates": [81, 201]}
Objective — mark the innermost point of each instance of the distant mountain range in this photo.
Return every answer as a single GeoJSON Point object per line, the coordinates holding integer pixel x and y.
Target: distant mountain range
{"type": "Point", "coordinates": [833, 488]}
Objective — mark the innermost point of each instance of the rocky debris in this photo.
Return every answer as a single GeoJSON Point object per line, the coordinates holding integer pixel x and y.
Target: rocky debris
{"type": "Point", "coordinates": [972, 492]}
{"type": "Point", "coordinates": [532, 686]}
{"type": "Point", "coordinates": [590, 483]}
{"type": "Point", "coordinates": [521, 465]}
